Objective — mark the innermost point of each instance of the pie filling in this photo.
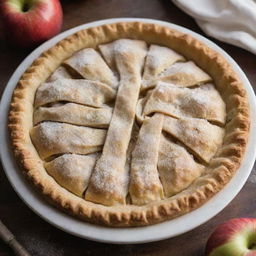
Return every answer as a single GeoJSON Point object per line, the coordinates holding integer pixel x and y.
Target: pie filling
{"type": "Point", "coordinates": [127, 123]}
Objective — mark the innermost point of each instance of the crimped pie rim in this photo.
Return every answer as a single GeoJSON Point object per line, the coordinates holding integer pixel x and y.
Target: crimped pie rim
{"type": "Point", "coordinates": [129, 215]}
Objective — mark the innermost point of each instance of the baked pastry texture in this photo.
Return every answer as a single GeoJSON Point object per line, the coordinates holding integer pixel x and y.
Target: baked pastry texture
{"type": "Point", "coordinates": [129, 124]}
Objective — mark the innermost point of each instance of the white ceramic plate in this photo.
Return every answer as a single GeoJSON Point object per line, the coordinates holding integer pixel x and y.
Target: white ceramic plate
{"type": "Point", "coordinates": [122, 235]}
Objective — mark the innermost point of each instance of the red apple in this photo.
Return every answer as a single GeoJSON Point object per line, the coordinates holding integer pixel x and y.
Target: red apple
{"type": "Point", "coordinates": [30, 22]}
{"type": "Point", "coordinates": [236, 237]}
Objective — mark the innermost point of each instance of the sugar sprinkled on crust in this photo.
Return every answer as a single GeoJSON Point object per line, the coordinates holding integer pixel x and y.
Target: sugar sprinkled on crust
{"type": "Point", "coordinates": [229, 156]}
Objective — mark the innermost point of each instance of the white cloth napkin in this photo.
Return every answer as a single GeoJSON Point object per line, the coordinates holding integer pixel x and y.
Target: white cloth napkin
{"type": "Point", "coordinates": [230, 21]}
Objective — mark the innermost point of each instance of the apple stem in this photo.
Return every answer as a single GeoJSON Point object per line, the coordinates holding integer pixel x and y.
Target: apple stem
{"type": "Point", "coordinates": [25, 7]}
{"type": "Point", "coordinates": [252, 247]}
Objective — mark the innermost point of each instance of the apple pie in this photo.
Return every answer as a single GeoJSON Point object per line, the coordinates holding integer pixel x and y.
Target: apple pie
{"type": "Point", "coordinates": [129, 124]}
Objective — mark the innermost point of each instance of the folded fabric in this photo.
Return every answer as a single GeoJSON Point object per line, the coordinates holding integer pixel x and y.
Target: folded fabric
{"type": "Point", "coordinates": [230, 21]}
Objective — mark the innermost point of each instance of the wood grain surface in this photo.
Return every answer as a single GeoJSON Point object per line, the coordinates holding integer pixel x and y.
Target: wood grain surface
{"type": "Point", "coordinates": [42, 239]}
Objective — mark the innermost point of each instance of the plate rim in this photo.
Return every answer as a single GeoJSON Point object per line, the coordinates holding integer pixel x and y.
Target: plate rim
{"type": "Point", "coordinates": [126, 235]}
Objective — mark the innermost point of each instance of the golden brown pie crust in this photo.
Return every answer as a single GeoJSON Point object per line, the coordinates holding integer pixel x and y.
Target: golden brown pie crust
{"type": "Point", "coordinates": [221, 168]}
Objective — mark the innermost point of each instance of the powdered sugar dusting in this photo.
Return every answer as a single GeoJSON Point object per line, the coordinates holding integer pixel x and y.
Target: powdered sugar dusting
{"type": "Point", "coordinates": [161, 57]}
{"type": "Point", "coordinates": [144, 172]}
{"type": "Point", "coordinates": [202, 102]}
{"type": "Point", "coordinates": [110, 176]}
{"type": "Point", "coordinates": [52, 138]}
{"type": "Point", "coordinates": [188, 68]}
{"type": "Point", "coordinates": [199, 135]}
{"type": "Point", "coordinates": [79, 91]}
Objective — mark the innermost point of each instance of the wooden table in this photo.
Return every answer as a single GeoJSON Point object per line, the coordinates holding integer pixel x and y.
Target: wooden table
{"type": "Point", "coordinates": [39, 237]}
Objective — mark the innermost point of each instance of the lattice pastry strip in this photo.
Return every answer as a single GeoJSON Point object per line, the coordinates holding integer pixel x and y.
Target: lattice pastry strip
{"type": "Point", "coordinates": [52, 138]}
{"type": "Point", "coordinates": [72, 171]}
{"type": "Point", "coordinates": [90, 65]}
{"type": "Point", "coordinates": [108, 53]}
{"type": "Point", "coordinates": [119, 55]}
{"type": "Point", "coordinates": [145, 186]}
{"type": "Point", "coordinates": [203, 102]}
{"type": "Point", "coordinates": [158, 59]}
{"type": "Point", "coordinates": [75, 114]}
{"type": "Point", "coordinates": [185, 74]}
{"type": "Point", "coordinates": [201, 137]}
{"type": "Point", "coordinates": [60, 72]}
{"type": "Point", "coordinates": [81, 91]}
{"type": "Point", "coordinates": [182, 74]}
{"type": "Point", "coordinates": [108, 184]}
{"type": "Point", "coordinates": [177, 168]}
